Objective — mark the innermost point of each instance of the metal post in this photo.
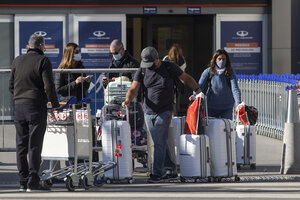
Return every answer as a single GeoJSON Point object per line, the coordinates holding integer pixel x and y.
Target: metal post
{"type": "Point", "coordinates": [291, 139]}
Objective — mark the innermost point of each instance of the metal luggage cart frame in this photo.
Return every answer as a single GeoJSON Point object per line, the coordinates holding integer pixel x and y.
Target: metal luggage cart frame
{"type": "Point", "coordinates": [143, 154]}
{"type": "Point", "coordinates": [78, 174]}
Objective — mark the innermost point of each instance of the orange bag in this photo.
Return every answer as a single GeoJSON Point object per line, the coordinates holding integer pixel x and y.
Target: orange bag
{"type": "Point", "coordinates": [191, 117]}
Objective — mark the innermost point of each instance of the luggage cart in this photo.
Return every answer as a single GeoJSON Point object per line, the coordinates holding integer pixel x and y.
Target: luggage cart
{"type": "Point", "coordinates": [69, 137]}
{"type": "Point", "coordinates": [115, 94]}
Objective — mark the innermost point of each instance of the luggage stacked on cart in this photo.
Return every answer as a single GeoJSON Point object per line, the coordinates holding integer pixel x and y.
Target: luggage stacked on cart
{"type": "Point", "coordinates": [115, 94]}
{"type": "Point", "coordinates": [139, 138]}
{"type": "Point", "coordinates": [246, 136]}
{"type": "Point", "coordinates": [115, 128]}
{"type": "Point", "coordinates": [194, 147]}
{"type": "Point", "coordinates": [116, 146]}
{"type": "Point", "coordinates": [116, 142]}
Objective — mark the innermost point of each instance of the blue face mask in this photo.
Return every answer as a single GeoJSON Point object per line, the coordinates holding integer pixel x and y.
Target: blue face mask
{"type": "Point", "coordinates": [117, 56]}
{"type": "Point", "coordinates": [221, 64]}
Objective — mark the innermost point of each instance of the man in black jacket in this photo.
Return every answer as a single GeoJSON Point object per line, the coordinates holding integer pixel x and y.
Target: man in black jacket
{"type": "Point", "coordinates": [121, 59]}
{"type": "Point", "coordinates": [31, 83]}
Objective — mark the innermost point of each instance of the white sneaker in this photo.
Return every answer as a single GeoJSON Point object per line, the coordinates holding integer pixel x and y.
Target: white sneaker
{"type": "Point", "coordinates": [37, 190]}
{"type": "Point", "coordinates": [22, 189]}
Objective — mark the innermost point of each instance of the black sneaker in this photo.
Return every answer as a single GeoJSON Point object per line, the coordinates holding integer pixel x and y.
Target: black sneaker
{"type": "Point", "coordinates": [37, 189]}
{"type": "Point", "coordinates": [154, 179]}
{"type": "Point", "coordinates": [22, 188]}
{"type": "Point", "coordinates": [170, 174]}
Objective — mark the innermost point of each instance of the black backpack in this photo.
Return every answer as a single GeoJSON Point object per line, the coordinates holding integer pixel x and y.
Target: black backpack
{"type": "Point", "coordinates": [252, 114]}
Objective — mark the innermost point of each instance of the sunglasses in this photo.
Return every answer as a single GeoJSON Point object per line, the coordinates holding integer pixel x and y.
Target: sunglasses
{"type": "Point", "coordinates": [116, 52]}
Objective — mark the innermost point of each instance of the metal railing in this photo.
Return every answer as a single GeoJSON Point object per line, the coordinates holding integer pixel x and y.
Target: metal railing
{"type": "Point", "coordinates": [267, 92]}
{"type": "Point", "coordinates": [7, 142]}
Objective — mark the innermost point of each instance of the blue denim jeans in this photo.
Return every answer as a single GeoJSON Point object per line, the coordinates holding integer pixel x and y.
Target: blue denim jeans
{"type": "Point", "coordinates": [226, 114]}
{"type": "Point", "coordinates": [158, 126]}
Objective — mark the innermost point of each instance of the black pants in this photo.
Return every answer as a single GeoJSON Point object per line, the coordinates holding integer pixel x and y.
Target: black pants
{"type": "Point", "coordinates": [30, 123]}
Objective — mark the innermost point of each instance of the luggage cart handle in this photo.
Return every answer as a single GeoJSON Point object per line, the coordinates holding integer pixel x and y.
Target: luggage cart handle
{"type": "Point", "coordinates": [72, 100]}
{"type": "Point", "coordinates": [86, 100]}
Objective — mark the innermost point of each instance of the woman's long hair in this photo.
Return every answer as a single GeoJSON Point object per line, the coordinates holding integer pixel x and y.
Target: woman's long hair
{"type": "Point", "coordinates": [212, 64]}
{"type": "Point", "coordinates": [175, 53]}
{"type": "Point", "coordinates": [67, 61]}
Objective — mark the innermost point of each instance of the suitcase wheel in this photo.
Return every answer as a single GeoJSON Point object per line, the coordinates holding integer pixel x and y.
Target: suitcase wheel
{"type": "Point", "coordinates": [108, 181]}
{"type": "Point", "coordinates": [253, 166]}
{"type": "Point", "coordinates": [236, 178]}
{"type": "Point", "coordinates": [217, 179]}
{"type": "Point", "coordinates": [197, 180]}
{"type": "Point", "coordinates": [182, 179]}
{"type": "Point", "coordinates": [130, 181]}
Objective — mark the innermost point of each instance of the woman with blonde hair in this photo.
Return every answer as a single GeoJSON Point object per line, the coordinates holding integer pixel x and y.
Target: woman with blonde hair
{"type": "Point", "coordinates": [71, 84]}
{"type": "Point", "coordinates": [175, 55]}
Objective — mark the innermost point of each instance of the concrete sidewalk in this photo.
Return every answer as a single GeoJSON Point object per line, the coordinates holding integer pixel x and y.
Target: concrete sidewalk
{"type": "Point", "coordinates": [263, 183]}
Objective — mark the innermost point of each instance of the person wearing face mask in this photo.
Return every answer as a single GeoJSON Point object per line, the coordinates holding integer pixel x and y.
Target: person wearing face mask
{"type": "Point", "coordinates": [120, 59]}
{"type": "Point", "coordinates": [156, 77]}
{"type": "Point", "coordinates": [219, 83]}
{"type": "Point", "coordinates": [71, 84]}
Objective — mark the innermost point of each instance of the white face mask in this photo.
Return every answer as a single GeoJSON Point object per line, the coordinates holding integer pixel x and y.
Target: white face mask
{"type": "Point", "coordinates": [77, 57]}
{"type": "Point", "coordinates": [117, 56]}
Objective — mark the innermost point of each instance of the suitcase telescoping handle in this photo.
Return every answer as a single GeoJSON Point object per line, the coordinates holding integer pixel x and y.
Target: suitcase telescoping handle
{"type": "Point", "coordinates": [206, 110]}
{"type": "Point", "coordinates": [204, 103]}
{"type": "Point", "coordinates": [127, 113]}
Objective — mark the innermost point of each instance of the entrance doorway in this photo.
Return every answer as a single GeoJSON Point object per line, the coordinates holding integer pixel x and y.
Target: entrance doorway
{"type": "Point", "coordinates": [195, 34]}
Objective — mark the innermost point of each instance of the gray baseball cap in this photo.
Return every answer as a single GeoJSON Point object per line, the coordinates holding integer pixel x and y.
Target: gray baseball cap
{"type": "Point", "coordinates": [148, 55]}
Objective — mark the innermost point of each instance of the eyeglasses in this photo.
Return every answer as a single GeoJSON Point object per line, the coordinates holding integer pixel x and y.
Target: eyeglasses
{"type": "Point", "coordinates": [116, 52]}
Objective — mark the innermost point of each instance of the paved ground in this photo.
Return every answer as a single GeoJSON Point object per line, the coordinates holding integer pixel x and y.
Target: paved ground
{"type": "Point", "coordinates": [263, 183]}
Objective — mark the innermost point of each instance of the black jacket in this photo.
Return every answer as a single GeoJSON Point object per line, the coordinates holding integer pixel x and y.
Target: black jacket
{"type": "Point", "coordinates": [66, 87]}
{"type": "Point", "coordinates": [127, 61]}
{"type": "Point", "coordinates": [31, 79]}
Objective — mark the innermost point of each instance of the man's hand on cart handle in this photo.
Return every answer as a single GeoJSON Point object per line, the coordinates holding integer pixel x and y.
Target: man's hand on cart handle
{"type": "Point", "coordinates": [126, 103]}
{"type": "Point", "coordinates": [193, 97]}
{"type": "Point", "coordinates": [49, 106]}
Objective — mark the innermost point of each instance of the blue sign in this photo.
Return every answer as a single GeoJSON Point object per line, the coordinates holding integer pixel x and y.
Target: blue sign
{"type": "Point", "coordinates": [94, 41]}
{"type": "Point", "coordinates": [243, 41]}
{"type": "Point", "coordinates": [193, 10]}
{"type": "Point", "coordinates": [150, 10]}
{"type": "Point", "coordinates": [52, 33]}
